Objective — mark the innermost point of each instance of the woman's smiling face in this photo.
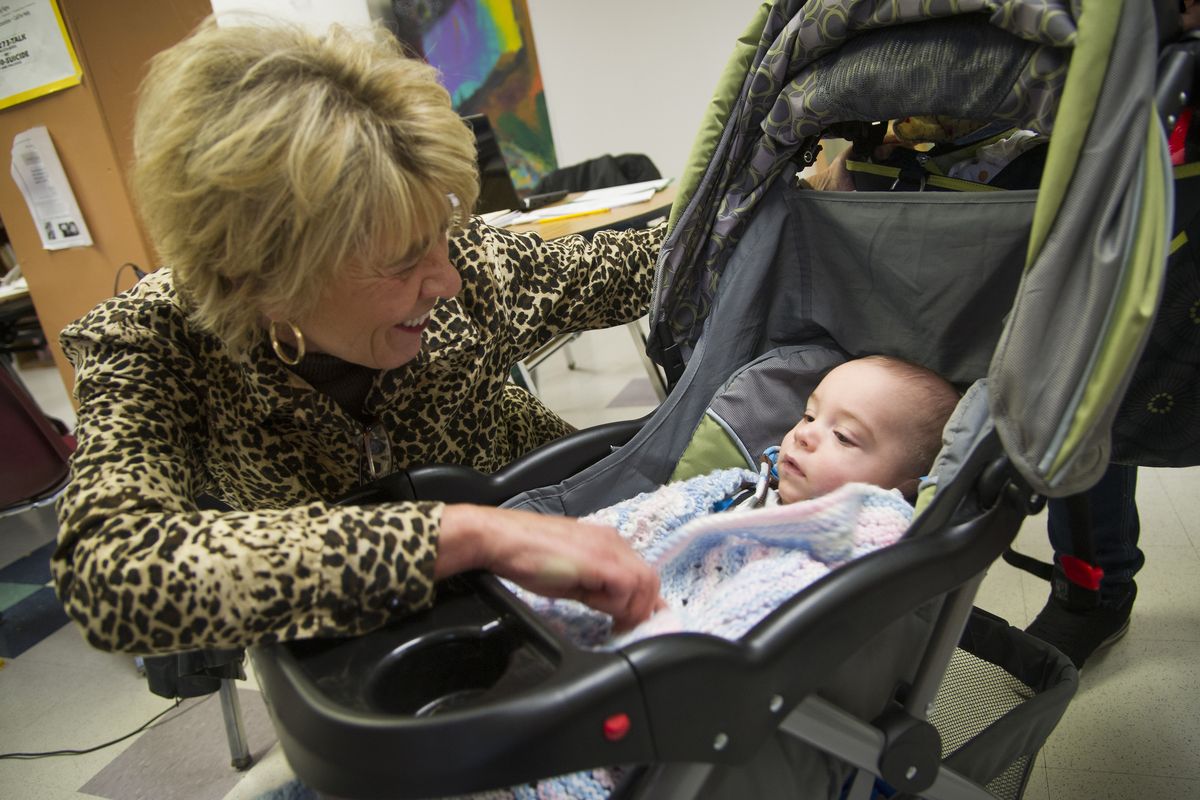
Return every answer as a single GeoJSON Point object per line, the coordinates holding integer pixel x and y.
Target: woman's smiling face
{"type": "Point", "coordinates": [375, 316]}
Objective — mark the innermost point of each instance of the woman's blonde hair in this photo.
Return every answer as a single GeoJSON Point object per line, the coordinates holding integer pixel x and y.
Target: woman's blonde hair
{"type": "Point", "coordinates": [266, 159]}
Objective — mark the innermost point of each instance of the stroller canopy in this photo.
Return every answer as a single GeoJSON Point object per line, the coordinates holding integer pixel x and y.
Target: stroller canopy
{"type": "Point", "coordinates": [1084, 70]}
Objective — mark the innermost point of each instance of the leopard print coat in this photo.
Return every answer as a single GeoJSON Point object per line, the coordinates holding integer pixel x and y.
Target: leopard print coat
{"type": "Point", "coordinates": [167, 413]}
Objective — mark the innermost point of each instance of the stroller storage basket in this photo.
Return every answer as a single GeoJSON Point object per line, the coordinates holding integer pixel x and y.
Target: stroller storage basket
{"type": "Point", "coordinates": [1002, 696]}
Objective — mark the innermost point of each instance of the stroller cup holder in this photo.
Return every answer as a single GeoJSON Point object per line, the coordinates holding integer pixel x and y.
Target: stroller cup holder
{"type": "Point", "coordinates": [454, 668]}
{"type": "Point", "coordinates": [474, 692]}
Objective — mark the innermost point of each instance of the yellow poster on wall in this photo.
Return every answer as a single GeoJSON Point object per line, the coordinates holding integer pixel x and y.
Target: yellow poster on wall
{"type": "Point", "coordinates": [36, 57]}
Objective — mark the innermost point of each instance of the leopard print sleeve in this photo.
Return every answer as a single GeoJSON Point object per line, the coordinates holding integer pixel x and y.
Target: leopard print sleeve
{"type": "Point", "coordinates": [143, 570]}
{"type": "Point", "coordinates": [543, 288]}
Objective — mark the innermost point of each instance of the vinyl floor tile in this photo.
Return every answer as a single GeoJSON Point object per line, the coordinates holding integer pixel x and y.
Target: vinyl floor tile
{"type": "Point", "coordinates": [33, 568]}
{"type": "Point", "coordinates": [1137, 711]}
{"type": "Point", "coordinates": [66, 647]}
{"type": "Point", "coordinates": [1168, 601]}
{"type": "Point", "coordinates": [1079, 785]}
{"type": "Point", "coordinates": [638, 393]}
{"type": "Point", "coordinates": [12, 593]}
{"type": "Point", "coordinates": [268, 773]}
{"type": "Point", "coordinates": [67, 707]}
{"type": "Point", "coordinates": [1038, 788]}
{"type": "Point", "coordinates": [1161, 525]}
{"type": "Point", "coordinates": [74, 706]}
{"type": "Point", "coordinates": [28, 621]}
{"type": "Point", "coordinates": [177, 759]}
{"type": "Point", "coordinates": [1001, 594]}
{"type": "Point", "coordinates": [1183, 493]}
{"type": "Point", "coordinates": [24, 532]}
{"type": "Point", "coordinates": [598, 389]}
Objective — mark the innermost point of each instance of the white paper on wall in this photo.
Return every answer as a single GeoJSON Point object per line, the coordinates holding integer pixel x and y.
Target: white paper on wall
{"type": "Point", "coordinates": [47, 192]}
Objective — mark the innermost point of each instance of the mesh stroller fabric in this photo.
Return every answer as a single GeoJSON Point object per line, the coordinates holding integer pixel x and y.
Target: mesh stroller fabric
{"type": "Point", "coordinates": [1002, 695]}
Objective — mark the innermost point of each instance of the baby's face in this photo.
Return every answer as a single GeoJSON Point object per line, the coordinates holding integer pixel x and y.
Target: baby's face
{"type": "Point", "coordinates": [853, 429]}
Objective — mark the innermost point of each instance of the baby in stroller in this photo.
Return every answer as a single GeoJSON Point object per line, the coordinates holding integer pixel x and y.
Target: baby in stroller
{"type": "Point", "coordinates": [835, 488]}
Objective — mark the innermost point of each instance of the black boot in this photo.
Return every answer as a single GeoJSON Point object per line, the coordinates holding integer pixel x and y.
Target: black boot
{"type": "Point", "coordinates": [1080, 631]}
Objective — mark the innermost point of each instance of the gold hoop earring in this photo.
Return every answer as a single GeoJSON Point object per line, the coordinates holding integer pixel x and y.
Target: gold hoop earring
{"type": "Point", "coordinates": [277, 346]}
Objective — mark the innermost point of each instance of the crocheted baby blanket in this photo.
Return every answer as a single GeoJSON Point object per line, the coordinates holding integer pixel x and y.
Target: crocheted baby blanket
{"type": "Point", "coordinates": [721, 573]}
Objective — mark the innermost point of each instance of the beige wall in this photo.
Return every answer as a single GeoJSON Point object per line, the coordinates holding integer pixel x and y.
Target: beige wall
{"type": "Point", "coordinates": [630, 76]}
{"type": "Point", "coordinates": [91, 125]}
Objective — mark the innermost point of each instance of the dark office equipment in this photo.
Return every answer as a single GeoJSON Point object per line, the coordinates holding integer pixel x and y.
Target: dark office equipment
{"type": "Point", "coordinates": [537, 201]}
{"type": "Point", "coordinates": [20, 330]}
{"type": "Point", "coordinates": [600, 173]}
{"type": "Point", "coordinates": [496, 192]}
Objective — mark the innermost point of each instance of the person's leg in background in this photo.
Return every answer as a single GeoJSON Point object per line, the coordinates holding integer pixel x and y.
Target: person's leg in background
{"type": "Point", "coordinates": [1073, 620]}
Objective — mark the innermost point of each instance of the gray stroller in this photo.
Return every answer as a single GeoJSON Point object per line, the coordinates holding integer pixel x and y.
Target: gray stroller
{"type": "Point", "coordinates": [880, 679]}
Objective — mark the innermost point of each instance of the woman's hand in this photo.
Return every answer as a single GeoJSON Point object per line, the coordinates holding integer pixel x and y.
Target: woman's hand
{"type": "Point", "coordinates": [552, 556]}
{"type": "Point", "coordinates": [835, 177]}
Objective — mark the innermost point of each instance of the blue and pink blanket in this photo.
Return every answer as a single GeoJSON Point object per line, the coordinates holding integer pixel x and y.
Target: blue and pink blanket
{"type": "Point", "coordinates": [723, 572]}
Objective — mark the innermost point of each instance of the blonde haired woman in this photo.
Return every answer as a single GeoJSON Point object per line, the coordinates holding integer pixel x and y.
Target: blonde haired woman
{"type": "Point", "coordinates": [329, 312]}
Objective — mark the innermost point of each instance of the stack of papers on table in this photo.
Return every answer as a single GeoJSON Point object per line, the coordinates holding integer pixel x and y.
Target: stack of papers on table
{"type": "Point", "coordinates": [591, 202]}
{"type": "Point", "coordinates": [16, 287]}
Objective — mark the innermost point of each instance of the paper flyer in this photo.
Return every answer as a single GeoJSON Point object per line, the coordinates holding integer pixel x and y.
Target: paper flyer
{"type": "Point", "coordinates": [36, 57]}
{"type": "Point", "coordinates": [40, 177]}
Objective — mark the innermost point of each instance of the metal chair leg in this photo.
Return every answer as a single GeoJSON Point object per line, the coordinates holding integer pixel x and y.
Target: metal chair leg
{"type": "Point", "coordinates": [235, 731]}
{"type": "Point", "coordinates": [523, 376]}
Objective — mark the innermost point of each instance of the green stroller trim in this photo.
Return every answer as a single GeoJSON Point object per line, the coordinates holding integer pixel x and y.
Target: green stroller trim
{"type": "Point", "coordinates": [1094, 40]}
{"type": "Point", "coordinates": [1132, 315]}
{"type": "Point", "coordinates": [1097, 28]}
{"type": "Point", "coordinates": [932, 180]}
{"type": "Point", "coordinates": [1096, 263]}
{"type": "Point", "coordinates": [712, 447]}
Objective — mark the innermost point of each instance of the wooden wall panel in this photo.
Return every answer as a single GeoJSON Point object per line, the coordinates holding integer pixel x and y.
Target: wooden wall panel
{"type": "Point", "coordinates": [90, 125]}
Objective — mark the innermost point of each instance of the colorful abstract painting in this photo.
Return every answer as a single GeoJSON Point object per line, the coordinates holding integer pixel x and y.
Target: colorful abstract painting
{"type": "Point", "coordinates": [485, 52]}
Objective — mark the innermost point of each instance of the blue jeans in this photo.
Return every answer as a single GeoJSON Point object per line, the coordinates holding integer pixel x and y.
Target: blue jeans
{"type": "Point", "coordinates": [1114, 528]}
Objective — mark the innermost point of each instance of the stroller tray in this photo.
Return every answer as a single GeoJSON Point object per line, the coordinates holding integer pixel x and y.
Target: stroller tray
{"type": "Point", "coordinates": [444, 692]}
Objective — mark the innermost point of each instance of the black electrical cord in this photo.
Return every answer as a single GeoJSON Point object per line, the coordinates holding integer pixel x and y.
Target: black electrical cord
{"type": "Point", "coordinates": [50, 753]}
{"type": "Point", "coordinates": [137, 271]}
